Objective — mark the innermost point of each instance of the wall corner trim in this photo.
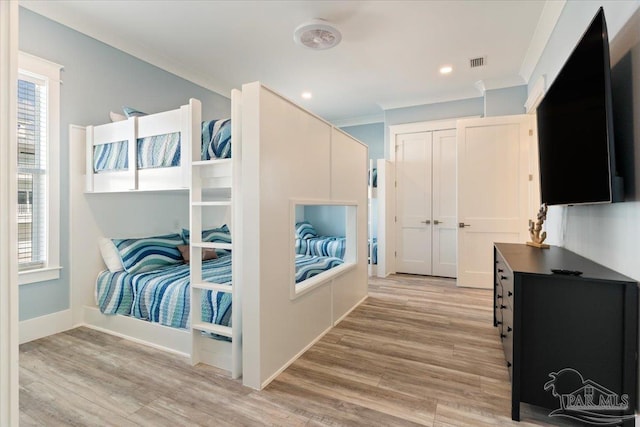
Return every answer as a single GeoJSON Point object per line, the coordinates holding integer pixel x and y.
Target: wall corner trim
{"type": "Point", "coordinates": [536, 94]}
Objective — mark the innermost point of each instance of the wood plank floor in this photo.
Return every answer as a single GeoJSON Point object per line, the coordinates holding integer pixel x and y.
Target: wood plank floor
{"type": "Point", "coordinates": [418, 352]}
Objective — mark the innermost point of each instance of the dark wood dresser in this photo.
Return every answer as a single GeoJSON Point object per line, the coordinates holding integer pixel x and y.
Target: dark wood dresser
{"type": "Point", "coordinates": [550, 322]}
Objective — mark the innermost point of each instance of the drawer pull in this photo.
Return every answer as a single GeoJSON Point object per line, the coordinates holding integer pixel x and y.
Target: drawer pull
{"type": "Point", "coordinates": [503, 336]}
{"type": "Point", "coordinates": [509, 329]}
{"type": "Point", "coordinates": [503, 277]}
{"type": "Point", "coordinates": [509, 293]}
{"type": "Point", "coordinates": [498, 296]}
{"type": "Point", "coordinates": [503, 306]}
{"type": "Point", "coordinates": [500, 270]}
{"type": "Point", "coordinates": [508, 364]}
{"type": "Point", "coordinates": [498, 323]}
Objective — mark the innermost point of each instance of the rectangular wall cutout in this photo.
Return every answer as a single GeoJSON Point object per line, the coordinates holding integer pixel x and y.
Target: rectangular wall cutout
{"type": "Point", "coordinates": [323, 243]}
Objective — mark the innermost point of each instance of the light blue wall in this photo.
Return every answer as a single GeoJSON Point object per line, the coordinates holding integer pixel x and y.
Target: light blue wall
{"type": "Point", "coordinates": [437, 111]}
{"type": "Point", "coordinates": [505, 102]}
{"type": "Point", "coordinates": [327, 220]}
{"type": "Point", "coordinates": [371, 134]}
{"type": "Point", "coordinates": [429, 112]}
{"type": "Point", "coordinates": [97, 79]}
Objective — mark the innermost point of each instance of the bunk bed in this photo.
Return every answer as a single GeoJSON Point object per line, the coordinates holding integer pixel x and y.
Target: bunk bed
{"type": "Point", "coordinates": [381, 213]}
{"type": "Point", "coordinates": [253, 268]}
{"type": "Point", "coordinates": [309, 243]}
{"type": "Point", "coordinates": [374, 204]}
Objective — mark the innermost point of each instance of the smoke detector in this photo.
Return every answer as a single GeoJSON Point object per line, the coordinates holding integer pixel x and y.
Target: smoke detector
{"type": "Point", "coordinates": [317, 34]}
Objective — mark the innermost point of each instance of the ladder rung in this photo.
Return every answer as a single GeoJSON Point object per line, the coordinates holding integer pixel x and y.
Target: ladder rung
{"type": "Point", "coordinates": [211, 162]}
{"type": "Point", "coordinates": [212, 245]}
{"type": "Point", "coordinates": [214, 329]}
{"type": "Point", "coordinates": [217, 203]}
{"type": "Point", "coordinates": [213, 287]}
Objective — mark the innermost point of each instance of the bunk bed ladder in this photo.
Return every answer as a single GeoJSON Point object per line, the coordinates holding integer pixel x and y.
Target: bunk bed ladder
{"type": "Point", "coordinates": [213, 188]}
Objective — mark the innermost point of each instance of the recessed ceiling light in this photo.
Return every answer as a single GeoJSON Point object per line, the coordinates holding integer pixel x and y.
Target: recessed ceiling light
{"type": "Point", "coordinates": [307, 95]}
{"type": "Point", "coordinates": [446, 69]}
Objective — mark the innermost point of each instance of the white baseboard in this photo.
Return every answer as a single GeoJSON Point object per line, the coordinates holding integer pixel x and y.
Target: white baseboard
{"type": "Point", "coordinates": [177, 341]}
{"type": "Point", "coordinates": [43, 326]}
{"type": "Point", "coordinates": [294, 358]}
{"type": "Point", "coordinates": [308, 346]}
{"type": "Point", "coordinates": [341, 318]}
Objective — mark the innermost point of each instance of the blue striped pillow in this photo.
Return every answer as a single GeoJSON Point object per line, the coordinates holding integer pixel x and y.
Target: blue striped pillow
{"type": "Point", "coordinates": [149, 253]}
{"type": "Point", "coordinates": [221, 235]}
{"type": "Point", "coordinates": [216, 139]}
{"type": "Point", "coordinates": [132, 112]}
{"type": "Point", "coordinates": [304, 230]}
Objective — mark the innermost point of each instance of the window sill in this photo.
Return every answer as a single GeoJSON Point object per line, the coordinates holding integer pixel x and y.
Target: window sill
{"type": "Point", "coordinates": [40, 275]}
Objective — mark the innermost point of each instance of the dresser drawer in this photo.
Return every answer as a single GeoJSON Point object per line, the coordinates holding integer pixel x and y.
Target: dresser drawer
{"type": "Point", "coordinates": [505, 279]}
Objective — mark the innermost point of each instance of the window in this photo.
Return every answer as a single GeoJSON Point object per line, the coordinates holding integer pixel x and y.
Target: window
{"type": "Point", "coordinates": [38, 162]}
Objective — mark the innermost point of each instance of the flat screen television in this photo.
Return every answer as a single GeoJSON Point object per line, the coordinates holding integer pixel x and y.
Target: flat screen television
{"type": "Point", "coordinates": [575, 127]}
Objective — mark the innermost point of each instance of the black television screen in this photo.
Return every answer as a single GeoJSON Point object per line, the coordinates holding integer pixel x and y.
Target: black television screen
{"type": "Point", "coordinates": [575, 126]}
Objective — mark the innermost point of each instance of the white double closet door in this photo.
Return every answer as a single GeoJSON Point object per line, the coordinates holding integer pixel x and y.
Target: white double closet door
{"type": "Point", "coordinates": [426, 228]}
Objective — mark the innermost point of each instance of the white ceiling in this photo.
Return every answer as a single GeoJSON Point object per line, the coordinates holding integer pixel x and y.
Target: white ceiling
{"type": "Point", "coordinates": [389, 55]}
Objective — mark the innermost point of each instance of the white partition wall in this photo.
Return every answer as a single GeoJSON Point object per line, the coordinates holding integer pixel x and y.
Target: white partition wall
{"type": "Point", "coordinates": [290, 154]}
{"type": "Point", "coordinates": [349, 161]}
{"type": "Point", "coordinates": [386, 214]}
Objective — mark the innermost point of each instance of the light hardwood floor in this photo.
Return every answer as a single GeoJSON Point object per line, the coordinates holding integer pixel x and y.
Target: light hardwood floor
{"type": "Point", "coordinates": [419, 351]}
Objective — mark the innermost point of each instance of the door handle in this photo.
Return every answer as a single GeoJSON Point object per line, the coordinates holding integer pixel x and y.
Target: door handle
{"type": "Point", "coordinates": [427, 221]}
{"type": "Point", "coordinates": [436, 222]}
{"type": "Point", "coordinates": [463, 225]}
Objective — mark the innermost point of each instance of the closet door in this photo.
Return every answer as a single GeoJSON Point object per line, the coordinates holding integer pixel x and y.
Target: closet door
{"type": "Point", "coordinates": [493, 182]}
{"type": "Point", "coordinates": [413, 203]}
{"type": "Point", "coordinates": [445, 226]}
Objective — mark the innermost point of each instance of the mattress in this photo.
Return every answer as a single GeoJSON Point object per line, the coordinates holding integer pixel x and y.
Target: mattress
{"type": "Point", "coordinates": [160, 151]}
{"type": "Point", "coordinates": [162, 296]}
{"type": "Point", "coordinates": [327, 246]}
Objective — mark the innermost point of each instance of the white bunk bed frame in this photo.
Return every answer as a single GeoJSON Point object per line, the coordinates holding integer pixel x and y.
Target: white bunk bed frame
{"type": "Point", "coordinates": [181, 120]}
{"type": "Point", "coordinates": [270, 134]}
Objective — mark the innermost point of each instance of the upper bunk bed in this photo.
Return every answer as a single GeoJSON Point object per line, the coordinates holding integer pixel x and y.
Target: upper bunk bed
{"type": "Point", "coordinates": [153, 152]}
{"type": "Point", "coordinates": [268, 175]}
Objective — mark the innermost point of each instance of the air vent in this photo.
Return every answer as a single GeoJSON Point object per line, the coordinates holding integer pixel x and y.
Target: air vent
{"type": "Point", "coordinates": [477, 62]}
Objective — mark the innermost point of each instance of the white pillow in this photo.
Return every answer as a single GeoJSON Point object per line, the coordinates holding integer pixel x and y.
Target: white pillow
{"type": "Point", "coordinates": [115, 117]}
{"type": "Point", "coordinates": [110, 255]}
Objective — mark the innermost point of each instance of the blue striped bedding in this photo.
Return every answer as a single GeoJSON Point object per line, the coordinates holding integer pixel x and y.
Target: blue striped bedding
{"type": "Point", "coordinates": [374, 250]}
{"type": "Point", "coordinates": [162, 296]}
{"type": "Point", "coordinates": [373, 178]}
{"type": "Point", "coordinates": [330, 246]}
{"type": "Point", "coordinates": [164, 150]}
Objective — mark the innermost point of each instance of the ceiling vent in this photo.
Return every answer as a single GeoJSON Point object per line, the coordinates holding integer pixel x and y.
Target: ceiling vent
{"type": "Point", "coordinates": [317, 34]}
{"type": "Point", "coordinates": [477, 62]}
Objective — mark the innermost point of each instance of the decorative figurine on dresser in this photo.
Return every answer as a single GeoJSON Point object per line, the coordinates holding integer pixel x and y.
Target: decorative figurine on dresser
{"type": "Point", "coordinates": [569, 330]}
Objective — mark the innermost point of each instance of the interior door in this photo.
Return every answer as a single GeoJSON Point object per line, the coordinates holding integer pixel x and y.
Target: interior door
{"type": "Point", "coordinates": [445, 226]}
{"type": "Point", "coordinates": [413, 203]}
{"type": "Point", "coordinates": [493, 178]}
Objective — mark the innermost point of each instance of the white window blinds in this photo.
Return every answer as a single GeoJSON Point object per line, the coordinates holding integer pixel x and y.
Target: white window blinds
{"type": "Point", "coordinates": [32, 172]}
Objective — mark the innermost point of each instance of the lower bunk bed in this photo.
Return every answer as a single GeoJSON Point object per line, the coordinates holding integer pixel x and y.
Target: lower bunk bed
{"type": "Point", "coordinates": [162, 295]}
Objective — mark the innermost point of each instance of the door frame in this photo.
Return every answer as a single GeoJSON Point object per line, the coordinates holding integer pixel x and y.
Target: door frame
{"type": "Point", "coordinates": [9, 307]}
{"type": "Point", "coordinates": [394, 131]}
